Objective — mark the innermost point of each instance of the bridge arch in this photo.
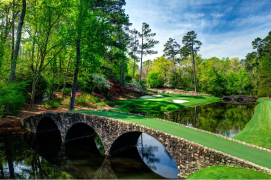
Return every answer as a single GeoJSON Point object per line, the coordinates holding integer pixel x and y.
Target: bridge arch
{"type": "Point", "coordinates": [46, 124]}
{"type": "Point", "coordinates": [128, 139]}
{"type": "Point", "coordinates": [79, 130]}
{"type": "Point", "coordinates": [151, 152]}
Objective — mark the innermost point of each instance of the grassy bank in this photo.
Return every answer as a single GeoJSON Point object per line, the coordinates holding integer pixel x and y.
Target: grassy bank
{"type": "Point", "coordinates": [248, 153]}
{"type": "Point", "coordinates": [258, 130]}
{"type": "Point", "coordinates": [162, 103]}
{"type": "Point", "coordinates": [224, 172]}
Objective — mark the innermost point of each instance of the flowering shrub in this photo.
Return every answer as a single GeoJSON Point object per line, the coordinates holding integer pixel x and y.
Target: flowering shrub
{"type": "Point", "coordinates": [136, 85]}
{"type": "Point", "coordinates": [178, 92]}
{"type": "Point", "coordinates": [99, 95]}
{"type": "Point", "coordinates": [116, 89]}
{"type": "Point", "coordinates": [100, 82]}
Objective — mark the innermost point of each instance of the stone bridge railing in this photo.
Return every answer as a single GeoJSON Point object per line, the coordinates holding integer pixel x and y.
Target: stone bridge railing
{"type": "Point", "coordinates": [245, 99]}
{"type": "Point", "coordinates": [188, 156]}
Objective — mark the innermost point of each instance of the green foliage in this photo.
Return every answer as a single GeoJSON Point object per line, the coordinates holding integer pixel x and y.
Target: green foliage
{"type": "Point", "coordinates": [51, 104]}
{"type": "Point", "coordinates": [67, 91]}
{"type": "Point", "coordinates": [265, 75]}
{"type": "Point", "coordinates": [87, 100]}
{"type": "Point", "coordinates": [12, 94]}
{"type": "Point", "coordinates": [110, 103]}
{"type": "Point", "coordinates": [154, 79]}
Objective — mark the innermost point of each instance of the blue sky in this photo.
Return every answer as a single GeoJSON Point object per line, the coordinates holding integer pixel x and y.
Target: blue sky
{"type": "Point", "coordinates": [225, 27]}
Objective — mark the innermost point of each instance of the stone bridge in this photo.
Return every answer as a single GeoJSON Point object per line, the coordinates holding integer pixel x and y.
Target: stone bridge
{"type": "Point", "coordinates": [243, 99]}
{"type": "Point", "coordinates": [188, 156]}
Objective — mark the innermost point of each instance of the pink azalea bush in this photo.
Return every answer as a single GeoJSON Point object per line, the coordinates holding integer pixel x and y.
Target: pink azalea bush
{"type": "Point", "coordinates": [178, 92]}
{"type": "Point", "coordinates": [99, 95]}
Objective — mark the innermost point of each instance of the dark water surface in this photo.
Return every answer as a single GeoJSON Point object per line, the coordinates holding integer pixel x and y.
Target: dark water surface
{"type": "Point", "coordinates": [43, 156]}
{"type": "Point", "coordinates": [221, 118]}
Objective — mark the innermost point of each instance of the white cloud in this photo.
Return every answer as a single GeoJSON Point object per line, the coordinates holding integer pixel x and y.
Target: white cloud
{"type": "Point", "coordinates": [174, 19]}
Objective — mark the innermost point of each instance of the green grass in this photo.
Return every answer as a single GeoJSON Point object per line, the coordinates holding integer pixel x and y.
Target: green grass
{"type": "Point", "coordinates": [162, 104]}
{"type": "Point", "coordinates": [224, 172]}
{"type": "Point", "coordinates": [258, 130]}
{"type": "Point", "coordinates": [251, 154]}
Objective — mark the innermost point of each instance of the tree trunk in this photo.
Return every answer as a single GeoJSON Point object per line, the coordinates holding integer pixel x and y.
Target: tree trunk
{"type": "Point", "coordinates": [195, 80]}
{"type": "Point", "coordinates": [17, 46]}
{"type": "Point", "coordinates": [65, 81]}
{"type": "Point", "coordinates": [120, 72]}
{"type": "Point", "coordinates": [134, 70]}
{"type": "Point", "coordinates": [59, 74]}
{"type": "Point", "coordinates": [141, 59]}
{"type": "Point", "coordinates": [33, 93]}
{"type": "Point", "coordinates": [75, 74]}
{"type": "Point", "coordinates": [123, 75]}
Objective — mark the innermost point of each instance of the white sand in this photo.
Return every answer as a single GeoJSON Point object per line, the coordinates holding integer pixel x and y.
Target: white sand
{"type": "Point", "coordinates": [158, 95]}
{"type": "Point", "coordinates": [179, 101]}
{"type": "Point", "coordinates": [147, 97]}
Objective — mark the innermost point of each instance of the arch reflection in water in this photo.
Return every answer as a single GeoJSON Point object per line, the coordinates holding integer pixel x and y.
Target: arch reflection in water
{"type": "Point", "coordinates": [156, 156]}
{"type": "Point", "coordinates": [146, 159]}
{"type": "Point", "coordinates": [48, 138]}
{"type": "Point", "coordinates": [84, 151]}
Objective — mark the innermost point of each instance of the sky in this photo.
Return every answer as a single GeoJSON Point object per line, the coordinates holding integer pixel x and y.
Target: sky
{"type": "Point", "coordinates": [226, 28]}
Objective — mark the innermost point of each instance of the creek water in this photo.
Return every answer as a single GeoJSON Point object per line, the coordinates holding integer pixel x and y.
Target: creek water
{"type": "Point", "coordinates": [43, 156]}
{"type": "Point", "coordinates": [221, 118]}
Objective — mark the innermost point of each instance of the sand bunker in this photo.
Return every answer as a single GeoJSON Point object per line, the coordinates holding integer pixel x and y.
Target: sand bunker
{"type": "Point", "coordinates": [158, 95]}
{"type": "Point", "coordinates": [147, 97]}
{"type": "Point", "coordinates": [179, 101]}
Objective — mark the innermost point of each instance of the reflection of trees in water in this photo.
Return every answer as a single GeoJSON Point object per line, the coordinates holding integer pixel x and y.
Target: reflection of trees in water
{"type": "Point", "coordinates": [147, 154]}
{"type": "Point", "coordinates": [99, 143]}
{"type": "Point", "coordinates": [31, 165]}
{"type": "Point", "coordinates": [219, 118]}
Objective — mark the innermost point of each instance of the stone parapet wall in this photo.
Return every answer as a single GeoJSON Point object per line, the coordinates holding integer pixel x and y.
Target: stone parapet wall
{"type": "Point", "coordinates": [188, 156]}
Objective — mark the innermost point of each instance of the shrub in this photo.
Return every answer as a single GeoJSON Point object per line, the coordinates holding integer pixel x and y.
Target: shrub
{"type": "Point", "coordinates": [116, 88]}
{"type": "Point", "coordinates": [67, 91]}
{"type": "Point", "coordinates": [99, 95]}
{"type": "Point", "coordinates": [110, 103]}
{"type": "Point", "coordinates": [154, 79]}
{"type": "Point", "coordinates": [100, 82]}
{"type": "Point", "coordinates": [101, 104]}
{"type": "Point", "coordinates": [52, 103]}
{"type": "Point", "coordinates": [12, 94]}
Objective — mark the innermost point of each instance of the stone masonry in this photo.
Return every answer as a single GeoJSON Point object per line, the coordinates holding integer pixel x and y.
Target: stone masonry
{"type": "Point", "coordinates": [188, 156]}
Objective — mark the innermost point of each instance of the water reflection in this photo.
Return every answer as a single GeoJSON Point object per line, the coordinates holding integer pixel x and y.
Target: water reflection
{"type": "Point", "coordinates": [225, 119]}
{"type": "Point", "coordinates": [48, 158]}
{"type": "Point", "coordinates": [156, 157]}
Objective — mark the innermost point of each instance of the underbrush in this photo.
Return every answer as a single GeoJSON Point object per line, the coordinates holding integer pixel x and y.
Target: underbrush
{"type": "Point", "coordinates": [88, 100]}
{"type": "Point", "coordinates": [51, 104]}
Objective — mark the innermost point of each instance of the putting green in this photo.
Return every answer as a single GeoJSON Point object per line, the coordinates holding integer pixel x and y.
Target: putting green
{"type": "Point", "coordinates": [163, 104]}
{"type": "Point", "coordinates": [248, 153]}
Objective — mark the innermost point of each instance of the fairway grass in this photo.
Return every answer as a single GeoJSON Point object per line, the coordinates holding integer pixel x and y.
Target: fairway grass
{"type": "Point", "coordinates": [257, 156]}
{"type": "Point", "coordinates": [162, 104]}
{"type": "Point", "coordinates": [224, 172]}
{"type": "Point", "coordinates": [258, 130]}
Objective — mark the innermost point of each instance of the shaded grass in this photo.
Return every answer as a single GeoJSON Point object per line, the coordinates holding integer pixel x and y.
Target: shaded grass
{"type": "Point", "coordinates": [258, 130]}
{"type": "Point", "coordinates": [224, 172]}
{"type": "Point", "coordinates": [248, 153]}
{"type": "Point", "coordinates": [162, 104]}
